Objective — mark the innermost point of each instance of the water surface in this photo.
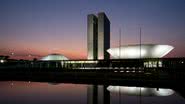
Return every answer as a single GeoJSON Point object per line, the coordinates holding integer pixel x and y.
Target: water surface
{"type": "Point", "coordinates": [12, 92]}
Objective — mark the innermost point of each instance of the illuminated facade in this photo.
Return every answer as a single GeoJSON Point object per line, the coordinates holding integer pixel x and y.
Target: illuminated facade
{"type": "Point", "coordinates": [98, 36]}
{"type": "Point", "coordinates": [54, 57]}
{"type": "Point", "coordinates": [103, 36]}
{"type": "Point", "coordinates": [92, 32]}
{"type": "Point", "coordinates": [140, 51]}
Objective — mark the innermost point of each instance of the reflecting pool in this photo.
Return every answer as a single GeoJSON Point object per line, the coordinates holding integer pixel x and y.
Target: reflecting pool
{"type": "Point", "coordinates": [15, 92]}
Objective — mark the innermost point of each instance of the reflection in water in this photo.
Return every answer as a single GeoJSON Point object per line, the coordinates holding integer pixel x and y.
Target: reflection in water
{"type": "Point", "coordinates": [52, 83]}
{"type": "Point", "coordinates": [41, 93]}
{"type": "Point", "coordinates": [12, 92]}
{"type": "Point", "coordinates": [136, 91]}
{"type": "Point", "coordinates": [98, 94]}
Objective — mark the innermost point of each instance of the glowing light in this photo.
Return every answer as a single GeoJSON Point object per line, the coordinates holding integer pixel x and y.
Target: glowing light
{"type": "Point", "coordinates": [135, 91]}
{"type": "Point", "coordinates": [12, 53]}
{"type": "Point", "coordinates": [2, 61]}
{"type": "Point", "coordinates": [54, 57]}
{"type": "Point", "coordinates": [164, 92]}
{"type": "Point", "coordinates": [143, 51]}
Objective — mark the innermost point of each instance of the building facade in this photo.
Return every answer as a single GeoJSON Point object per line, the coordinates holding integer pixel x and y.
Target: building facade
{"type": "Point", "coordinates": [92, 32]}
{"type": "Point", "coordinates": [103, 36]}
{"type": "Point", "coordinates": [98, 36]}
{"type": "Point", "coordinates": [136, 51]}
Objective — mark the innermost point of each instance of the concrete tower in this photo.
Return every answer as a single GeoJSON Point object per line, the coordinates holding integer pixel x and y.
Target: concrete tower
{"type": "Point", "coordinates": [103, 36]}
{"type": "Point", "coordinates": [98, 36]}
{"type": "Point", "coordinates": [92, 32]}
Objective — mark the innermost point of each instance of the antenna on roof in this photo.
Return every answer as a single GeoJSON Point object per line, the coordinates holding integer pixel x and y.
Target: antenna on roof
{"type": "Point", "coordinates": [120, 43]}
{"type": "Point", "coordinates": [119, 60]}
{"type": "Point", "coordinates": [140, 39]}
{"type": "Point", "coordinates": [140, 100]}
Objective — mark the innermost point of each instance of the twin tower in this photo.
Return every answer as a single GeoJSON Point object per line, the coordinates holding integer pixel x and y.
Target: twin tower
{"type": "Point", "coordinates": [98, 36]}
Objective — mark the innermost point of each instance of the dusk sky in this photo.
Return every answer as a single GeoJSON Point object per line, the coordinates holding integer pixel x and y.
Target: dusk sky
{"type": "Point", "coordinates": [41, 27]}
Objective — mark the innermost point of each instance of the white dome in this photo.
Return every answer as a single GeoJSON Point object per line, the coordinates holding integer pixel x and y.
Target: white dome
{"type": "Point", "coordinates": [53, 57]}
{"type": "Point", "coordinates": [137, 51]}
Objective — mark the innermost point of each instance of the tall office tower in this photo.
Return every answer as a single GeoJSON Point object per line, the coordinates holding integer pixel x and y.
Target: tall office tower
{"type": "Point", "coordinates": [103, 36]}
{"type": "Point", "coordinates": [98, 36]}
{"type": "Point", "coordinates": [92, 32]}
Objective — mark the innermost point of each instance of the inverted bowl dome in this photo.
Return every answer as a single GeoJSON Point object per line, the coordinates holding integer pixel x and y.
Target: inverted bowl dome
{"type": "Point", "coordinates": [137, 91]}
{"type": "Point", "coordinates": [140, 51]}
{"type": "Point", "coordinates": [53, 57]}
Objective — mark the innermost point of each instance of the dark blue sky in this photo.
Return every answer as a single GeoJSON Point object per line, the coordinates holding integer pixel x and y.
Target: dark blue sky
{"type": "Point", "coordinates": [45, 26]}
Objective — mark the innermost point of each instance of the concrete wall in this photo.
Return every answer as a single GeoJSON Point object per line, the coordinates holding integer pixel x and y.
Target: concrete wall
{"type": "Point", "coordinates": [92, 28]}
{"type": "Point", "coordinates": [98, 36]}
{"type": "Point", "coordinates": [103, 36]}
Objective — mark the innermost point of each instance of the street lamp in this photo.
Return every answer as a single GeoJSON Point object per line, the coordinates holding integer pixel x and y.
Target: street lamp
{"type": "Point", "coordinates": [1, 61]}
